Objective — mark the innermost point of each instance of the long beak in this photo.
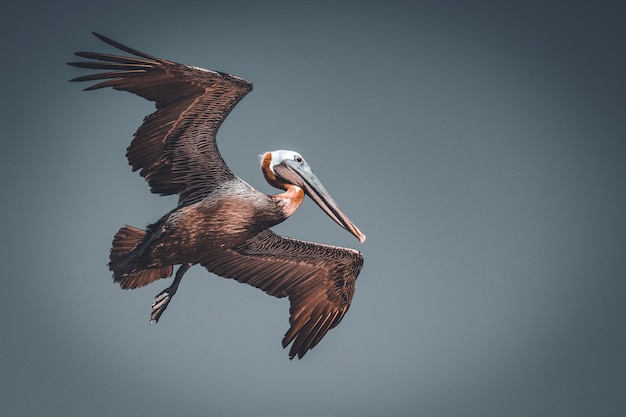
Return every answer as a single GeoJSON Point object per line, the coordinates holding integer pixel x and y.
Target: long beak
{"type": "Point", "coordinates": [301, 175]}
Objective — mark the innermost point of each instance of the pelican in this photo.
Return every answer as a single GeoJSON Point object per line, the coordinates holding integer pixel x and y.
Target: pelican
{"type": "Point", "coordinates": [220, 222]}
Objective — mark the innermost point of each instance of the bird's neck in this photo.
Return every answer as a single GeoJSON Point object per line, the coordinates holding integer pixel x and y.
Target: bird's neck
{"type": "Point", "coordinates": [290, 200]}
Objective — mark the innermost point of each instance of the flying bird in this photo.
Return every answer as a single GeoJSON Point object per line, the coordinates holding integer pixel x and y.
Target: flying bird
{"type": "Point", "coordinates": [220, 222]}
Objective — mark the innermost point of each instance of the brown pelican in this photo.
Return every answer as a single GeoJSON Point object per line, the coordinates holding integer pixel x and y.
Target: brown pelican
{"type": "Point", "coordinates": [221, 222]}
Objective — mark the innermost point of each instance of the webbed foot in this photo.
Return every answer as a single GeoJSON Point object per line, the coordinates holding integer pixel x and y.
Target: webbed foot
{"type": "Point", "coordinates": [163, 298]}
{"type": "Point", "coordinates": [159, 305]}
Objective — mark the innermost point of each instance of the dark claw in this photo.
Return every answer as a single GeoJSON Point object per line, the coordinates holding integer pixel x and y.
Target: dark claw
{"type": "Point", "coordinates": [159, 305]}
{"type": "Point", "coordinates": [164, 297]}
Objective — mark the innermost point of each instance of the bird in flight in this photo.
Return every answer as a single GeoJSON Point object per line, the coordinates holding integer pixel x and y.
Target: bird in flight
{"type": "Point", "coordinates": [220, 222]}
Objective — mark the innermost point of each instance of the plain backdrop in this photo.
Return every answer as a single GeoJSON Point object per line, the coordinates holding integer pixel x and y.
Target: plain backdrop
{"type": "Point", "coordinates": [480, 146]}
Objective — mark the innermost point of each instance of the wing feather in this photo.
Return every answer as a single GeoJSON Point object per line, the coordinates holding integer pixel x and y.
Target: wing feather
{"type": "Point", "coordinates": [174, 149]}
{"type": "Point", "coordinates": [318, 279]}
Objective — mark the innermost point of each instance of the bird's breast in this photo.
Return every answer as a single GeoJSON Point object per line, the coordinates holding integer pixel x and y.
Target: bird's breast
{"type": "Point", "coordinates": [226, 219]}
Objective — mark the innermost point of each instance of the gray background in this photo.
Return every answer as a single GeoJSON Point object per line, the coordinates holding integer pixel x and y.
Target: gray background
{"type": "Point", "coordinates": [479, 146]}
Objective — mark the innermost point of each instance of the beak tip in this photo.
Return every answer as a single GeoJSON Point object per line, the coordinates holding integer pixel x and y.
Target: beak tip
{"type": "Point", "coordinates": [361, 238]}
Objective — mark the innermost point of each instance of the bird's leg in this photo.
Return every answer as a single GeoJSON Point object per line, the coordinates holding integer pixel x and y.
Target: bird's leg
{"type": "Point", "coordinates": [164, 297]}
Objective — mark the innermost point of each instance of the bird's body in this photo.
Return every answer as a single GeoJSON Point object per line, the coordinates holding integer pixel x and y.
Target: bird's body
{"type": "Point", "coordinates": [227, 217]}
{"type": "Point", "coordinates": [221, 222]}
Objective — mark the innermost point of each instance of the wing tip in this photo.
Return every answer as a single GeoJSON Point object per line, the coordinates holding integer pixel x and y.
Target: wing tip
{"type": "Point", "coordinates": [125, 48]}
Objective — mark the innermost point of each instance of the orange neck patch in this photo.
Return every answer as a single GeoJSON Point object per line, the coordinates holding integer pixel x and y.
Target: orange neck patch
{"type": "Point", "coordinates": [293, 195]}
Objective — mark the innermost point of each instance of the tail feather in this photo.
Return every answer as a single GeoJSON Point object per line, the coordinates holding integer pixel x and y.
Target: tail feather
{"type": "Point", "coordinates": [126, 253]}
{"type": "Point", "coordinates": [144, 277]}
{"type": "Point", "coordinates": [126, 239]}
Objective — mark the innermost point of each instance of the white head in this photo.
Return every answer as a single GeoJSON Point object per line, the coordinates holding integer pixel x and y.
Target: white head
{"type": "Point", "coordinates": [276, 157]}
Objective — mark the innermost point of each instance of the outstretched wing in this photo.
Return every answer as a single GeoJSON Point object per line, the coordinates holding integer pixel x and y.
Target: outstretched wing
{"type": "Point", "coordinates": [175, 146]}
{"type": "Point", "coordinates": [318, 279]}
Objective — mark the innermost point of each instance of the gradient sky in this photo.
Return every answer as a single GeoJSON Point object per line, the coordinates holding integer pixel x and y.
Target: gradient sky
{"type": "Point", "coordinates": [480, 146]}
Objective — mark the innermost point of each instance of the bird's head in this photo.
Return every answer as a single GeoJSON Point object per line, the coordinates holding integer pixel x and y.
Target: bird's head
{"type": "Point", "coordinates": [283, 169]}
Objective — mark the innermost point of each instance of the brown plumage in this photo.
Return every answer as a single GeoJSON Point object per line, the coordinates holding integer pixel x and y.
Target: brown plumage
{"type": "Point", "coordinates": [220, 222]}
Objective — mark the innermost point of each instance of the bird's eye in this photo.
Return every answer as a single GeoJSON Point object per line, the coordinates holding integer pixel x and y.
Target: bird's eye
{"type": "Point", "coordinates": [298, 159]}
